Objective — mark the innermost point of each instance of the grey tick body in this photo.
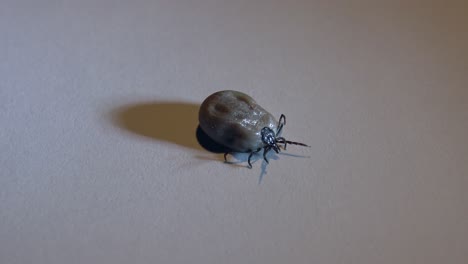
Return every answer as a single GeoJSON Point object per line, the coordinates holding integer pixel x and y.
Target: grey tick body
{"type": "Point", "coordinates": [234, 120]}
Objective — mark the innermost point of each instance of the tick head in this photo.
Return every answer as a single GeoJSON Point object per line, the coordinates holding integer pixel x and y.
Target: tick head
{"type": "Point", "coordinates": [269, 138]}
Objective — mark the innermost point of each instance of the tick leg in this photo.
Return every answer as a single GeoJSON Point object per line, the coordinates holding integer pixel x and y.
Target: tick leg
{"type": "Point", "coordinates": [282, 119]}
{"type": "Point", "coordinates": [282, 140]}
{"type": "Point", "coordinates": [265, 151]}
{"type": "Point", "coordinates": [281, 123]}
{"type": "Point", "coordinates": [250, 156]}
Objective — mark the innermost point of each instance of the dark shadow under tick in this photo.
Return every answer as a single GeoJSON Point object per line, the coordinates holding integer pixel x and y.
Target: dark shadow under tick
{"type": "Point", "coordinates": [174, 122]}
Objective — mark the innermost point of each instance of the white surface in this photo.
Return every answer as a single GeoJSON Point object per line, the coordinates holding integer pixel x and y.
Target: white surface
{"type": "Point", "coordinates": [100, 164]}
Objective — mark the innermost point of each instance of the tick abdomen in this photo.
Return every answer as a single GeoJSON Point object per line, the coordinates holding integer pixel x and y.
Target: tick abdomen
{"type": "Point", "coordinates": [233, 119]}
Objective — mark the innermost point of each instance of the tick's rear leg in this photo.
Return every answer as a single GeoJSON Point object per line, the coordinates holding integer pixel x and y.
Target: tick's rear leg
{"type": "Point", "coordinates": [225, 155]}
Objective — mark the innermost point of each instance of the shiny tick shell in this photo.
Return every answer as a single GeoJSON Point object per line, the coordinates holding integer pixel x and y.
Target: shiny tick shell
{"type": "Point", "coordinates": [234, 120]}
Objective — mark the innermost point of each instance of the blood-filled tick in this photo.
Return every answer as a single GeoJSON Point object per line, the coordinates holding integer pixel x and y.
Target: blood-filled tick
{"type": "Point", "coordinates": [234, 120]}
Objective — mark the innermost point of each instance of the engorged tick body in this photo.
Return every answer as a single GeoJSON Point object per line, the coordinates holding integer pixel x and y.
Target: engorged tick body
{"type": "Point", "coordinates": [234, 120]}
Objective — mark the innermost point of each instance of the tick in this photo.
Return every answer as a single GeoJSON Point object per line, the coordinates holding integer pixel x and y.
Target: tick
{"type": "Point", "coordinates": [234, 120]}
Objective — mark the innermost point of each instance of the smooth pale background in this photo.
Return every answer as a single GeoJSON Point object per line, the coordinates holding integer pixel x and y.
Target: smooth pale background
{"type": "Point", "coordinates": [100, 163]}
